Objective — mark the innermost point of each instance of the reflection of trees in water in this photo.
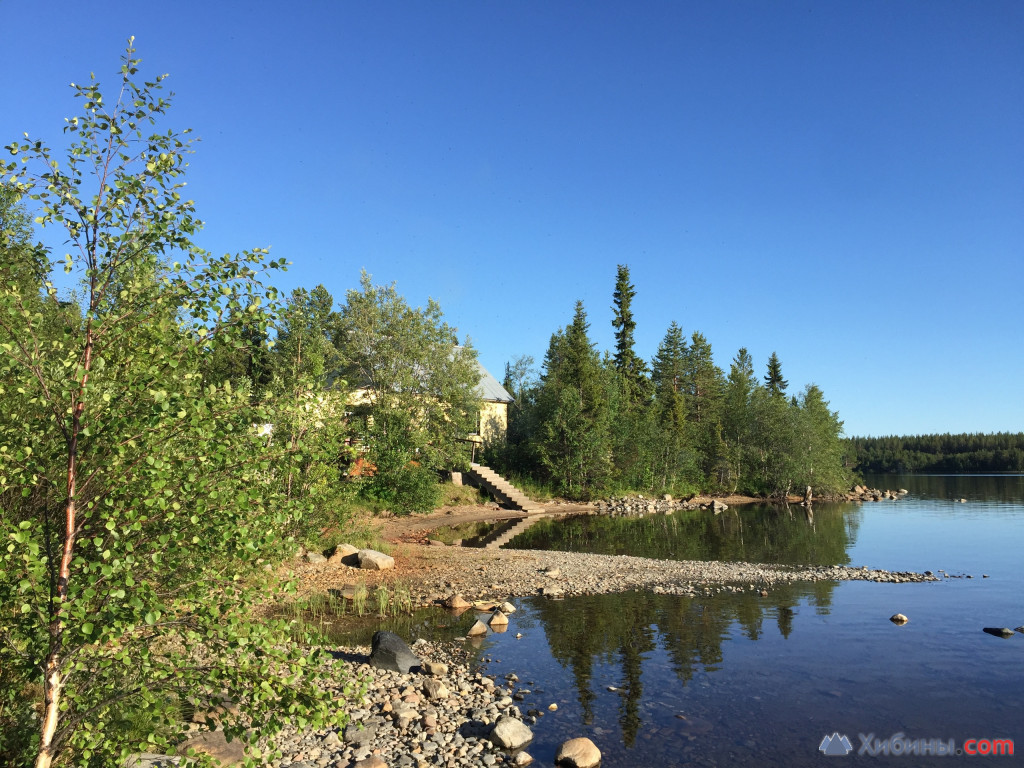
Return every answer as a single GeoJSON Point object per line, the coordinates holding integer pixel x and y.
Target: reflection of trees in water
{"type": "Point", "coordinates": [621, 630]}
{"type": "Point", "coordinates": [994, 489]}
{"type": "Point", "coordinates": [751, 533]}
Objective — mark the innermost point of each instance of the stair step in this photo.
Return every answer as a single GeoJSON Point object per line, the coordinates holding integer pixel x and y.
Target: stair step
{"type": "Point", "coordinates": [503, 489]}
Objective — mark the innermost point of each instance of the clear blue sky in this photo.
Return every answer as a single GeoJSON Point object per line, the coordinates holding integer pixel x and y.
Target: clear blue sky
{"type": "Point", "coordinates": [840, 182]}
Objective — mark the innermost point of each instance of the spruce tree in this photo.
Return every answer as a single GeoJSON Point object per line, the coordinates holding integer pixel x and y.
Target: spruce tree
{"type": "Point", "coordinates": [737, 415]}
{"type": "Point", "coordinates": [573, 441]}
{"type": "Point", "coordinates": [703, 383]}
{"type": "Point", "coordinates": [629, 393]}
{"type": "Point", "coordinates": [773, 380]}
{"type": "Point", "coordinates": [670, 406]}
{"type": "Point", "coordinates": [629, 366]}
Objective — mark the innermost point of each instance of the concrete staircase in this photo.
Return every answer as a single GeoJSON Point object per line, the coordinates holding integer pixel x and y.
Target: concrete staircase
{"type": "Point", "coordinates": [506, 493]}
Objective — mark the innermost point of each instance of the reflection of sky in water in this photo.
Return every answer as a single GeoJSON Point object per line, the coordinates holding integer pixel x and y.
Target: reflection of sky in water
{"type": "Point", "coordinates": [744, 680]}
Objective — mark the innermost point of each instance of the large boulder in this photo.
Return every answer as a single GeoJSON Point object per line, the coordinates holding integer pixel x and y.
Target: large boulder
{"type": "Point", "coordinates": [344, 554]}
{"type": "Point", "coordinates": [511, 733]}
{"type": "Point", "coordinates": [389, 651]}
{"type": "Point", "coordinates": [373, 560]}
{"type": "Point", "coordinates": [578, 753]}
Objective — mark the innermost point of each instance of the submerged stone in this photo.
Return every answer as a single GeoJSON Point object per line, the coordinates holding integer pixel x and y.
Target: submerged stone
{"type": "Point", "coordinates": [578, 753]}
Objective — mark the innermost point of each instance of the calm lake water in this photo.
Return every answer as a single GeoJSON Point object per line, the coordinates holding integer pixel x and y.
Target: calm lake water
{"type": "Point", "coordinates": [741, 680]}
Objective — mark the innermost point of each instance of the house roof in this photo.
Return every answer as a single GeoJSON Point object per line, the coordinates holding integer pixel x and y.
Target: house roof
{"type": "Point", "coordinates": [489, 387]}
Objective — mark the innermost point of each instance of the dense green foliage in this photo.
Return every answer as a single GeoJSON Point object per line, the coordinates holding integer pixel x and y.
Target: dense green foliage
{"type": "Point", "coordinates": [588, 425]}
{"type": "Point", "coordinates": [1001, 452]}
{"type": "Point", "coordinates": [393, 394]}
{"type": "Point", "coordinates": [418, 398]}
{"type": "Point", "coordinates": [138, 498]}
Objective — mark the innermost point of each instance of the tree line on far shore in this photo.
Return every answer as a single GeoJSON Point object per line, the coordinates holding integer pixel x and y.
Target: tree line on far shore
{"type": "Point", "coordinates": [589, 424]}
{"type": "Point", "coordinates": [963, 453]}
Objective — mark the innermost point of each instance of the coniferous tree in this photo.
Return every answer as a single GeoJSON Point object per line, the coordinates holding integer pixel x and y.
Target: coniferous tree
{"type": "Point", "coordinates": [573, 441]}
{"type": "Point", "coordinates": [628, 364]}
{"type": "Point", "coordinates": [629, 393]}
{"type": "Point", "coordinates": [773, 379]}
{"type": "Point", "coordinates": [518, 453]}
{"type": "Point", "coordinates": [669, 406]}
{"type": "Point", "coordinates": [737, 417]}
{"type": "Point", "coordinates": [703, 384]}
{"type": "Point", "coordinates": [772, 439]}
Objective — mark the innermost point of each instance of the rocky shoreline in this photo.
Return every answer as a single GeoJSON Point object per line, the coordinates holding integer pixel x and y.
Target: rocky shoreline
{"type": "Point", "coordinates": [439, 713]}
{"type": "Point", "coordinates": [445, 712]}
{"type": "Point", "coordinates": [435, 572]}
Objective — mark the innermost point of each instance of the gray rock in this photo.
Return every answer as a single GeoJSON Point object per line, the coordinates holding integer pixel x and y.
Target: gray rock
{"type": "Point", "coordinates": [373, 560]}
{"type": "Point", "coordinates": [578, 753]}
{"type": "Point", "coordinates": [478, 629]}
{"type": "Point", "coordinates": [436, 668]}
{"type": "Point", "coordinates": [344, 554]}
{"type": "Point", "coordinates": [360, 734]}
{"type": "Point", "coordinates": [898, 618]}
{"type": "Point", "coordinates": [315, 557]}
{"type": "Point", "coordinates": [999, 631]}
{"type": "Point", "coordinates": [331, 740]}
{"type": "Point", "coordinates": [389, 651]}
{"type": "Point", "coordinates": [510, 733]}
{"type": "Point", "coordinates": [457, 602]}
{"type": "Point", "coordinates": [435, 689]}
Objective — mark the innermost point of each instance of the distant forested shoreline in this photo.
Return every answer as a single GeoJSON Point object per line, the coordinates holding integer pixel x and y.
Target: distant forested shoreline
{"type": "Point", "coordinates": [1000, 452]}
